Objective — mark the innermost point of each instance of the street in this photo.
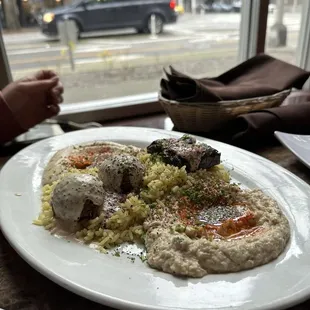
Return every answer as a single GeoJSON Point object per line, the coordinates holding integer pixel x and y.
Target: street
{"type": "Point", "coordinates": [194, 38]}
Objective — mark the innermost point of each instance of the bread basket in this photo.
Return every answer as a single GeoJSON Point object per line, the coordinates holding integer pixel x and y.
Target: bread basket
{"type": "Point", "coordinates": [205, 117]}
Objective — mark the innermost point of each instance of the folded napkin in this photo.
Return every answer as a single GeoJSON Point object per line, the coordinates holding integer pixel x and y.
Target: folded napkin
{"type": "Point", "coordinates": [258, 127]}
{"type": "Point", "coordinates": [261, 75]}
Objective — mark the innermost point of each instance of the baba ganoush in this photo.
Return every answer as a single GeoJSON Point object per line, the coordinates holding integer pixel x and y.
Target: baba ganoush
{"type": "Point", "coordinates": [174, 197]}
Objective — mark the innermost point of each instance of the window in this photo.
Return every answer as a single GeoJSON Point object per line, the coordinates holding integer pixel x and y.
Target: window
{"type": "Point", "coordinates": [121, 52]}
{"type": "Point", "coordinates": [284, 21]}
{"type": "Point", "coordinates": [117, 54]}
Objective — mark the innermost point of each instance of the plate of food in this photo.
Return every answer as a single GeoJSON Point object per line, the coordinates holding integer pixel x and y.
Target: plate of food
{"type": "Point", "coordinates": [138, 218]}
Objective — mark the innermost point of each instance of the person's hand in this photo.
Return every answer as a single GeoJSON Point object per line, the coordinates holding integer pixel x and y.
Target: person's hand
{"type": "Point", "coordinates": [56, 92]}
{"type": "Point", "coordinates": [34, 99]}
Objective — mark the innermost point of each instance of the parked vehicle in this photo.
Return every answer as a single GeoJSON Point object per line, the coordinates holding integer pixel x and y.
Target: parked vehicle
{"type": "Point", "coordinates": [205, 8]}
{"type": "Point", "coordinates": [179, 9]}
{"type": "Point", "coordinates": [93, 15]}
{"type": "Point", "coordinates": [237, 5]}
{"type": "Point", "coordinates": [217, 7]}
{"type": "Point", "coordinates": [222, 7]}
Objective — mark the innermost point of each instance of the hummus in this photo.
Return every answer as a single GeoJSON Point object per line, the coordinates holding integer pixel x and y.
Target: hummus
{"type": "Point", "coordinates": [80, 157]}
{"type": "Point", "coordinates": [177, 253]}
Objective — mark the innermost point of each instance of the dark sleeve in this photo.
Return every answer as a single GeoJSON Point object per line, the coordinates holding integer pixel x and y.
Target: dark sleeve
{"type": "Point", "coordinates": [9, 127]}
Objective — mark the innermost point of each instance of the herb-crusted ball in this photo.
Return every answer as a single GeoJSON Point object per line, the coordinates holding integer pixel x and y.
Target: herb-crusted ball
{"type": "Point", "coordinates": [77, 197]}
{"type": "Point", "coordinates": [121, 173]}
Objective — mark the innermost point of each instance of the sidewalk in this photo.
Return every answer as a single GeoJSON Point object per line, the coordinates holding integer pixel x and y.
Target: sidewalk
{"type": "Point", "coordinates": [21, 30]}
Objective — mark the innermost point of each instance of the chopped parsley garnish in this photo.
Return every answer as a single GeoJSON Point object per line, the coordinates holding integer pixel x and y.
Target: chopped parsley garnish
{"type": "Point", "coordinates": [185, 137]}
{"type": "Point", "coordinates": [153, 205]}
{"type": "Point", "coordinates": [117, 254]}
{"type": "Point", "coordinates": [194, 194]}
{"type": "Point", "coordinates": [143, 257]}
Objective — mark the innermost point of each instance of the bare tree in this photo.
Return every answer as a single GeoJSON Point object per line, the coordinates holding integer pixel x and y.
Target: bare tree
{"type": "Point", "coordinates": [11, 14]}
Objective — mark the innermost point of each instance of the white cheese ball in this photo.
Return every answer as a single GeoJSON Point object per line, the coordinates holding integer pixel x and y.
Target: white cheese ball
{"type": "Point", "coordinates": [121, 173]}
{"type": "Point", "coordinates": [77, 197]}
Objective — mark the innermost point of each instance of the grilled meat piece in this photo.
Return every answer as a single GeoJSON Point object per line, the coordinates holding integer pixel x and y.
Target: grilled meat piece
{"type": "Point", "coordinates": [185, 152]}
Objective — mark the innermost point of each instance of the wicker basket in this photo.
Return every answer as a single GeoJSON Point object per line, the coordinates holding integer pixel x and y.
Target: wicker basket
{"type": "Point", "coordinates": [204, 117]}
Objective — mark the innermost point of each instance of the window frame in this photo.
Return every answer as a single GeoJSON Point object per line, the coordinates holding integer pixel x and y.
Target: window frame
{"type": "Point", "coordinates": [6, 75]}
{"type": "Point", "coordinates": [253, 25]}
{"type": "Point", "coordinates": [111, 109]}
{"type": "Point", "coordinates": [303, 57]}
{"type": "Point", "coordinates": [130, 106]}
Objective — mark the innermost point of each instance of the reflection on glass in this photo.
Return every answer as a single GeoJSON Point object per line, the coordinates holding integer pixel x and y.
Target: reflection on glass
{"type": "Point", "coordinates": [121, 48]}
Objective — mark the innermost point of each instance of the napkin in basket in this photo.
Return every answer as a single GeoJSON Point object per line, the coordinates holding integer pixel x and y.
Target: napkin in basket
{"type": "Point", "coordinates": [258, 127]}
{"type": "Point", "coordinates": [259, 76]}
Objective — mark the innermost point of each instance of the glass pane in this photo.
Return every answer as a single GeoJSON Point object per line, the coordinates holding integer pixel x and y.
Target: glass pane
{"type": "Point", "coordinates": [117, 54]}
{"type": "Point", "coordinates": [284, 19]}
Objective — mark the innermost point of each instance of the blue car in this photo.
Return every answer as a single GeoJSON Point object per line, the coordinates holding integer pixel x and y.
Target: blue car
{"type": "Point", "coordinates": [93, 15]}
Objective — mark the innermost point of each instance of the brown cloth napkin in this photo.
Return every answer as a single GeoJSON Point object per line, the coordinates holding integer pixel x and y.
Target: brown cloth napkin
{"type": "Point", "coordinates": [261, 75]}
{"type": "Point", "coordinates": [259, 126]}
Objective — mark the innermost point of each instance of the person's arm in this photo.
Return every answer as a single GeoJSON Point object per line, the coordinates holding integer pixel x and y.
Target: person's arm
{"type": "Point", "coordinates": [9, 127]}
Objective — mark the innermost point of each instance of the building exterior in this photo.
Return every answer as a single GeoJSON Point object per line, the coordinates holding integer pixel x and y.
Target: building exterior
{"type": "Point", "coordinates": [27, 10]}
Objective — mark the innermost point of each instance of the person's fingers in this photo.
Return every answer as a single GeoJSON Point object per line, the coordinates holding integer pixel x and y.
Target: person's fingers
{"type": "Point", "coordinates": [44, 75]}
{"type": "Point", "coordinates": [55, 100]}
{"type": "Point", "coordinates": [60, 87]}
{"type": "Point", "coordinates": [55, 97]}
{"type": "Point", "coordinates": [58, 90]}
{"type": "Point", "coordinates": [41, 85]}
{"type": "Point", "coordinates": [26, 79]}
{"type": "Point", "coordinates": [51, 99]}
{"type": "Point", "coordinates": [55, 93]}
{"type": "Point", "coordinates": [53, 110]}
{"type": "Point", "coordinates": [40, 113]}
{"type": "Point", "coordinates": [40, 75]}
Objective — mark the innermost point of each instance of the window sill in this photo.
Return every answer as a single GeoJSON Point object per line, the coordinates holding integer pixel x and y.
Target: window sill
{"type": "Point", "coordinates": [111, 109]}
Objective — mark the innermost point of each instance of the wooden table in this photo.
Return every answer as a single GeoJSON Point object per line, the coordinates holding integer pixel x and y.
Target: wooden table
{"type": "Point", "coordinates": [21, 287]}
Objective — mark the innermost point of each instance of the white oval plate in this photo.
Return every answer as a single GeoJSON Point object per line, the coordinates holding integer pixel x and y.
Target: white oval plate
{"type": "Point", "coordinates": [299, 145]}
{"type": "Point", "coordinates": [119, 283]}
